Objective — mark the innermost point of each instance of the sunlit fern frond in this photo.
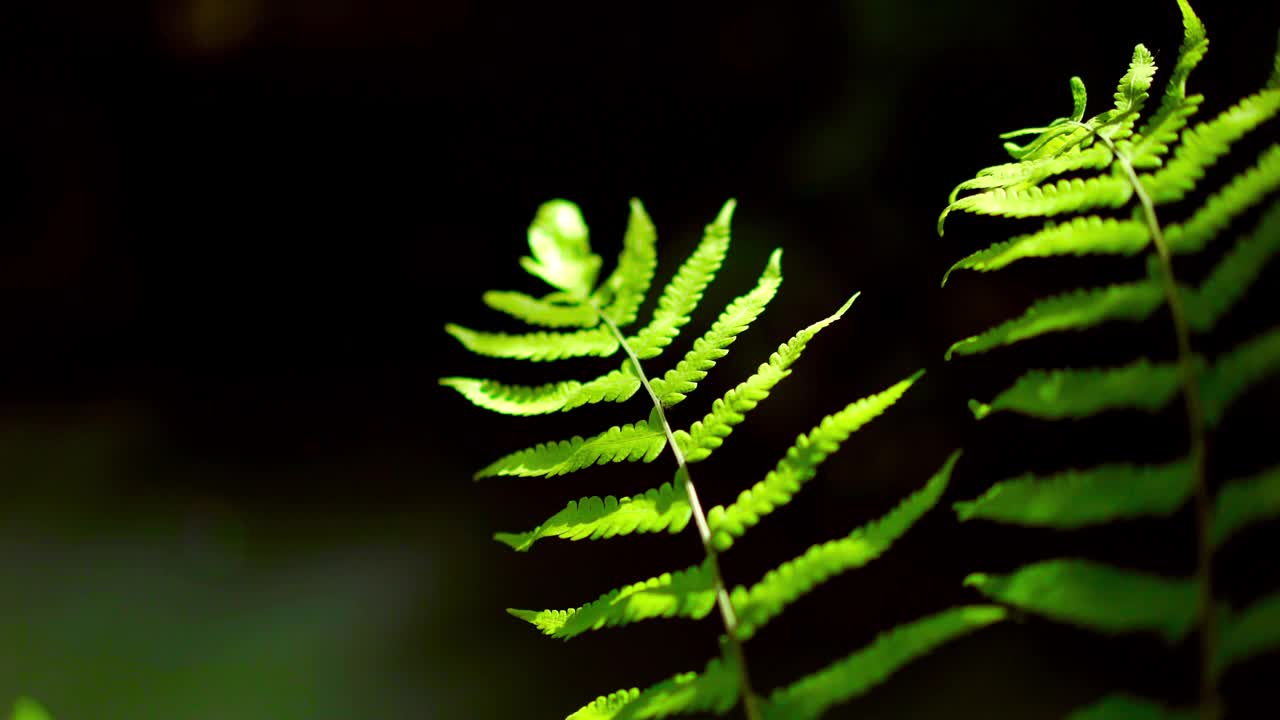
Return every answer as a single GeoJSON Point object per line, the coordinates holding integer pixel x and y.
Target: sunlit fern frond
{"type": "Point", "coordinates": [1118, 202]}
{"type": "Point", "coordinates": [585, 320]}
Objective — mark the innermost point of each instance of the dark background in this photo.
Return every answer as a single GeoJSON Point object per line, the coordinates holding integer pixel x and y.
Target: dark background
{"type": "Point", "coordinates": [234, 229]}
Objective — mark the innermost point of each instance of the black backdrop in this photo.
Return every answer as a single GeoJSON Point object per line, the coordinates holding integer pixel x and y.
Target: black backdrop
{"type": "Point", "coordinates": [233, 232]}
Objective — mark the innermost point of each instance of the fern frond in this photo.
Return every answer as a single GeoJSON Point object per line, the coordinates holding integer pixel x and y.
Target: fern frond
{"type": "Point", "coordinates": [688, 593]}
{"type": "Point", "coordinates": [626, 286]}
{"type": "Point", "coordinates": [1070, 195]}
{"type": "Point", "coordinates": [1242, 503]}
{"type": "Point", "coordinates": [1236, 370]}
{"type": "Point", "coordinates": [1058, 137]}
{"type": "Point", "coordinates": [681, 296]}
{"type": "Point", "coordinates": [1105, 598]}
{"type": "Point", "coordinates": [537, 346]}
{"type": "Point", "coordinates": [715, 689]}
{"type": "Point", "coordinates": [1121, 706]}
{"type": "Point", "coordinates": [857, 673]}
{"type": "Point", "coordinates": [561, 250]}
{"type": "Point", "coordinates": [638, 441]}
{"type": "Point", "coordinates": [541, 311]}
{"type": "Point", "coordinates": [615, 386]}
{"type": "Point", "coordinates": [1202, 145]}
{"type": "Point", "coordinates": [1078, 310]}
{"type": "Point", "coordinates": [1078, 498]}
{"type": "Point", "coordinates": [1087, 235]}
{"type": "Point", "coordinates": [799, 465]}
{"type": "Point", "coordinates": [681, 380]}
{"type": "Point", "coordinates": [1070, 393]}
{"type": "Point", "coordinates": [1239, 195]}
{"type": "Point", "coordinates": [781, 586]}
{"type": "Point", "coordinates": [1131, 95]}
{"type": "Point", "coordinates": [1031, 172]}
{"type": "Point", "coordinates": [1249, 633]}
{"type": "Point", "coordinates": [514, 399]}
{"type": "Point", "coordinates": [662, 508]}
{"type": "Point", "coordinates": [1176, 107]}
{"type": "Point", "coordinates": [1234, 274]}
{"type": "Point", "coordinates": [707, 434]}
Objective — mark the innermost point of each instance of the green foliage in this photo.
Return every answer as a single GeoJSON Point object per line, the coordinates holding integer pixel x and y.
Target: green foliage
{"type": "Point", "coordinates": [587, 320]}
{"type": "Point", "coordinates": [1141, 174]}
{"type": "Point", "coordinates": [1120, 706]}
{"type": "Point", "coordinates": [28, 709]}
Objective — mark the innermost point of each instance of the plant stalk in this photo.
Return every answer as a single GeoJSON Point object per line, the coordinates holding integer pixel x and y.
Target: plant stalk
{"type": "Point", "coordinates": [1210, 703]}
{"type": "Point", "coordinates": [750, 703]}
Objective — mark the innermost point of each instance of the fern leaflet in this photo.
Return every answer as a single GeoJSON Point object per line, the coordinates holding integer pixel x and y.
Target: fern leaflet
{"type": "Point", "coordinates": [799, 466]}
{"type": "Point", "coordinates": [783, 585]}
{"type": "Point", "coordinates": [561, 256]}
{"type": "Point", "coordinates": [1121, 706]}
{"type": "Point", "coordinates": [1102, 597]}
{"type": "Point", "coordinates": [847, 678]}
{"type": "Point", "coordinates": [1078, 498]}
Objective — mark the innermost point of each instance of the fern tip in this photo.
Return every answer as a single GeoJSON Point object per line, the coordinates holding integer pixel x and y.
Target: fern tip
{"type": "Point", "coordinates": [979, 409]}
{"type": "Point", "coordinates": [520, 542]}
{"type": "Point", "coordinates": [726, 213]}
{"type": "Point", "coordinates": [529, 616]}
{"type": "Point", "coordinates": [847, 304]}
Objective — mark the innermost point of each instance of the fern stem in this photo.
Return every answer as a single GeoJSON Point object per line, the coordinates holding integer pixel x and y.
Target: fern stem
{"type": "Point", "coordinates": [1210, 703]}
{"type": "Point", "coordinates": [727, 613]}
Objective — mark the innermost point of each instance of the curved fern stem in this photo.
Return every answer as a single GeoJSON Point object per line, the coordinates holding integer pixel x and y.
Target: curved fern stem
{"type": "Point", "coordinates": [1210, 704]}
{"type": "Point", "coordinates": [727, 614]}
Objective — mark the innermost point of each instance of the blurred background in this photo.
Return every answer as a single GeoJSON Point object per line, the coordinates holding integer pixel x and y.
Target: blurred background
{"type": "Point", "coordinates": [232, 232]}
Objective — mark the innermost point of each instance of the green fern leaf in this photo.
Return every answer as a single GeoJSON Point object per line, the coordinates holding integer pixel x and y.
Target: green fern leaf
{"type": "Point", "coordinates": [616, 386]}
{"type": "Point", "coordinates": [1121, 706]}
{"type": "Point", "coordinates": [681, 380]}
{"type": "Point", "coordinates": [1088, 235]}
{"type": "Point", "coordinates": [707, 434]}
{"type": "Point", "coordinates": [1202, 145]}
{"type": "Point", "coordinates": [1031, 172]}
{"type": "Point", "coordinates": [682, 295]}
{"type": "Point", "coordinates": [537, 346]}
{"type": "Point", "coordinates": [1242, 503]}
{"type": "Point", "coordinates": [637, 441]}
{"type": "Point", "coordinates": [626, 286]}
{"type": "Point", "coordinates": [1059, 137]}
{"type": "Point", "coordinates": [1249, 633]}
{"type": "Point", "coordinates": [1131, 95]}
{"type": "Point", "coordinates": [688, 593]}
{"type": "Point", "coordinates": [1242, 193]}
{"type": "Point", "coordinates": [1273, 82]}
{"type": "Point", "coordinates": [1070, 195]}
{"type": "Point", "coordinates": [1078, 498]}
{"type": "Point", "coordinates": [1078, 310]}
{"type": "Point", "coordinates": [514, 399]}
{"type": "Point", "coordinates": [1234, 274]}
{"type": "Point", "coordinates": [799, 465]}
{"type": "Point", "coordinates": [27, 709]}
{"type": "Point", "coordinates": [854, 675]}
{"type": "Point", "coordinates": [715, 690]}
{"type": "Point", "coordinates": [1237, 370]}
{"type": "Point", "coordinates": [1101, 597]}
{"type": "Point", "coordinates": [783, 585]}
{"type": "Point", "coordinates": [1070, 393]}
{"type": "Point", "coordinates": [541, 311]}
{"type": "Point", "coordinates": [1176, 107]}
{"type": "Point", "coordinates": [662, 508]}
{"type": "Point", "coordinates": [562, 254]}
